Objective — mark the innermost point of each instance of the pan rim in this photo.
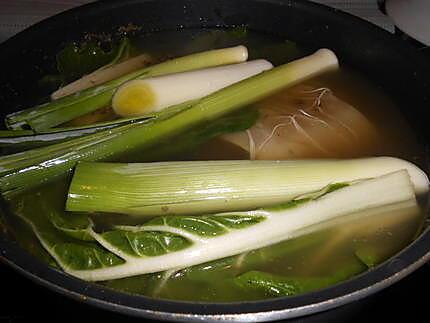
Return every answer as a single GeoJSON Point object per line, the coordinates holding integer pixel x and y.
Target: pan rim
{"type": "Point", "coordinates": [412, 257]}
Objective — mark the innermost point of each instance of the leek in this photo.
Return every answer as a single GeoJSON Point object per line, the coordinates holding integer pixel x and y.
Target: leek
{"type": "Point", "coordinates": [90, 127]}
{"type": "Point", "coordinates": [104, 74]}
{"type": "Point", "coordinates": [25, 170]}
{"type": "Point", "coordinates": [167, 243]}
{"type": "Point", "coordinates": [12, 141]}
{"type": "Point", "coordinates": [216, 186]}
{"type": "Point", "coordinates": [67, 108]}
{"type": "Point", "coordinates": [139, 97]}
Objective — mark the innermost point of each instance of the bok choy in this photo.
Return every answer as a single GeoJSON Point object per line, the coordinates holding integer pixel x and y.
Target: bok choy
{"type": "Point", "coordinates": [276, 285]}
{"type": "Point", "coordinates": [177, 242]}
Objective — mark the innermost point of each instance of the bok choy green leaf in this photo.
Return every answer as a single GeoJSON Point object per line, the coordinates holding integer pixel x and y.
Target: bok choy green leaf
{"type": "Point", "coordinates": [71, 254]}
{"type": "Point", "coordinates": [224, 270]}
{"type": "Point", "coordinates": [276, 286]}
{"type": "Point", "coordinates": [176, 242]}
{"type": "Point", "coordinates": [73, 225]}
{"type": "Point", "coordinates": [76, 60]}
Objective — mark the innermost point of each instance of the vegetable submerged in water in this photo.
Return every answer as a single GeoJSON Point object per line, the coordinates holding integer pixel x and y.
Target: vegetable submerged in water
{"type": "Point", "coordinates": [215, 186]}
{"type": "Point", "coordinates": [226, 230]}
{"type": "Point", "coordinates": [28, 169]}
{"type": "Point", "coordinates": [307, 122]}
{"type": "Point", "coordinates": [104, 74]}
{"type": "Point", "coordinates": [138, 97]}
{"type": "Point", "coordinates": [12, 141]}
{"type": "Point", "coordinates": [275, 285]}
{"type": "Point", "coordinates": [77, 59]}
{"type": "Point", "coordinates": [177, 242]}
{"type": "Point", "coordinates": [67, 108]}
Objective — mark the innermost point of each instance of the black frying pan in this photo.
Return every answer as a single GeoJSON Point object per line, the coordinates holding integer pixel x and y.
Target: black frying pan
{"type": "Point", "coordinates": [397, 68]}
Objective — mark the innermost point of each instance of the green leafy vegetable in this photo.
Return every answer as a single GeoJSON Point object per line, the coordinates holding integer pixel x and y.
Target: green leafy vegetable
{"type": "Point", "coordinates": [208, 225]}
{"type": "Point", "coordinates": [258, 257]}
{"type": "Point", "coordinates": [76, 60]}
{"type": "Point", "coordinates": [171, 243]}
{"type": "Point", "coordinates": [223, 271]}
{"type": "Point", "coordinates": [369, 255]}
{"type": "Point", "coordinates": [145, 243]}
{"type": "Point", "coordinates": [276, 286]}
{"type": "Point", "coordinates": [74, 225]}
{"type": "Point", "coordinates": [70, 254]}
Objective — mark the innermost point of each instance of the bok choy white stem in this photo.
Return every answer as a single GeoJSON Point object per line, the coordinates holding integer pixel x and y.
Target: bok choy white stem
{"type": "Point", "coordinates": [166, 243]}
{"type": "Point", "coordinates": [216, 186]}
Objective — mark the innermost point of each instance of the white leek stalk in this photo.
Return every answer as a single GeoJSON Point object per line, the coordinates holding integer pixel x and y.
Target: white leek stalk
{"type": "Point", "coordinates": [141, 96]}
{"type": "Point", "coordinates": [216, 186]}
